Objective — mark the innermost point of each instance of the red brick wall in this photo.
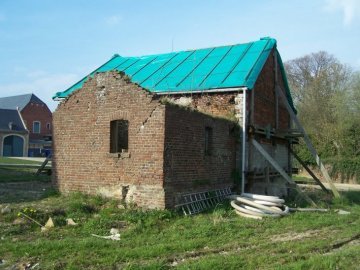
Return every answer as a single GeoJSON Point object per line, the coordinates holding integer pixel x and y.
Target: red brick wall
{"type": "Point", "coordinates": [37, 112]}
{"type": "Point", "coordinates": [265, 114]}
{"type": "Point", "coordinates": [186, 167]}
{"type": "Point", "coordinates": [264, 102]}
{"type": "Point", "coordinates": [82, 140]}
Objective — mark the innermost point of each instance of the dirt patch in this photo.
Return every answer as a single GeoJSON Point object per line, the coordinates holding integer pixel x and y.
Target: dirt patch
{"type": "Point", "coordinates": [293, 236]}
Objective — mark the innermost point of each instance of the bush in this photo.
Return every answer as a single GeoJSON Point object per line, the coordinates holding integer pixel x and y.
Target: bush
{"type": "Point", "coordinates": [347, 167]}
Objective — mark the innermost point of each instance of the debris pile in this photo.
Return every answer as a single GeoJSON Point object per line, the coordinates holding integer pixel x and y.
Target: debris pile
{"type": "Point", "coordinates": [114, 235]}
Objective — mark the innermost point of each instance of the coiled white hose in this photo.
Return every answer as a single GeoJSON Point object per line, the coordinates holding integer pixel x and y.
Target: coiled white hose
{"type": "Point", "coordinates": [258, 206]}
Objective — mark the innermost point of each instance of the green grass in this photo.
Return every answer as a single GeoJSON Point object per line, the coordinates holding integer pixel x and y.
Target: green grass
{"type": "Point", "coordinates": [218, 239]}
{"type": "Point", "coordinates": [7, 160]}
{"type": "Point", "coordinates": [20, 173]}
{"type": "Point", "coordinates": [14, 174]}
{"type": "Point", "coordinates": [303, 179]}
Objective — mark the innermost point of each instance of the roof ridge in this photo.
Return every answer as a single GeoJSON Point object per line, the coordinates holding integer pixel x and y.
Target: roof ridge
{"type": "Point", "coordinates": [225, 72]}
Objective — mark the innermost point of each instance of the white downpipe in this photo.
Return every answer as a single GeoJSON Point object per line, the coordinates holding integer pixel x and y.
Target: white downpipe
{"type": "Point", "coordinates": [243, 165]}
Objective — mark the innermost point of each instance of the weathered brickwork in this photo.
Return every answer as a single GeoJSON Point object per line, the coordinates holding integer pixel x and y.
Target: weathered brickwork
{"type": "Point", "coordinates": [187, 168]}
{"type": "Point", "coordinates": [82, 157]}
{"type": "Point", "coordinates": [264, 98]}
{"type": "Point", "coordinates": [265, 116]}
{"type": "Point", "coordinates": [215, 104]}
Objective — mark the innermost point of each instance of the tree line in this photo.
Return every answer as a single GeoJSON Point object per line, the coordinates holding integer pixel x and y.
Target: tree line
{"type": "Point", "coordinates": [326, 94]}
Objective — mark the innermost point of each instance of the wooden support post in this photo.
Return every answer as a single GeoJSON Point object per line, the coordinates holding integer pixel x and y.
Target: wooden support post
{"type": "Point", "coordinates": [308, 143]}
{"type": "Point", "coordinates": [280, 170]}
{"type": "Point", "coordinates": [317, 180]}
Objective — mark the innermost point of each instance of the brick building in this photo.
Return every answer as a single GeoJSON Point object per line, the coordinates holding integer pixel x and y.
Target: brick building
{"type": "Point", "coordinates": [150, 129]}
{"type": "Point", "coordinates": [14, 137]}
{"type": "Point", "coordinates": [37, 118]}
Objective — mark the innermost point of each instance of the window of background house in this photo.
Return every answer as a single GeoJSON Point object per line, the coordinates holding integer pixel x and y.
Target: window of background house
{"type": "Point", "coordinates": [119, 136]}
{"type": "Point", "coordinates": [48, 126]}
{"type": "Point", "coordinates": [208, 140]}
{"type": "Point", "coordinates": [36, 127]}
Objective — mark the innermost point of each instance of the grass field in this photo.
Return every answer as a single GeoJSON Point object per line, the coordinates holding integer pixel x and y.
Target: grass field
{"type": "Point", "coordinates": [7, 160]}
{"type": "Point", "coordinates": [218, 239]}
{"type": "Point", "coordinates": [20, 173]}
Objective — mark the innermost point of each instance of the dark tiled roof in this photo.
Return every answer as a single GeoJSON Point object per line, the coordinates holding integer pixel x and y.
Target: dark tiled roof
{"type": "Point", "coordinates": [10, 120]}
{"type": "Point", "coordinates": [20, 101]}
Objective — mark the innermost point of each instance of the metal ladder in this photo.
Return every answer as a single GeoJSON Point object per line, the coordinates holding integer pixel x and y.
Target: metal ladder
{"type": "Point", "coordinates": [194, 203]}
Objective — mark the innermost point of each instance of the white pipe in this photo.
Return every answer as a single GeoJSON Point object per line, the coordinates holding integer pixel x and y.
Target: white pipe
{"type": "Point", "coordinates": [263, 197]}
{"type": "Point", "coordinates": [252, 211]}
{"type": "Point", "coordinates": [243, 143]}
{"type": "Point", "coordinates": [252, 208]}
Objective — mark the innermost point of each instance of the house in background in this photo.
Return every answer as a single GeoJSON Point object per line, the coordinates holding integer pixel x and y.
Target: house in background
{"type": "Point", "coordinates": [37, 118]}
{"type": "Point", "coordinates": [151, 129]}
{"type": "Point", "coordinates": [14, 137]}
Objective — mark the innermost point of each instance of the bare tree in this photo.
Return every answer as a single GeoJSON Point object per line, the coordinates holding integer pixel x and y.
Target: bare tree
{"type": "Point", "coordinates": [316, 75]}
{"type": "Point", "coordinates": [320, 86]}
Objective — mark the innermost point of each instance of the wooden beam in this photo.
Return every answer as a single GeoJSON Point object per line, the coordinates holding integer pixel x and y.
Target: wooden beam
{"type": "Point", "coordinates": [41, 168]}
{"type": "Point", "coordinates": [317, 180]}
{"type": "Point", "coordinates": [273, 162]}
{"type": "Point", "coordinates": [308, 143]}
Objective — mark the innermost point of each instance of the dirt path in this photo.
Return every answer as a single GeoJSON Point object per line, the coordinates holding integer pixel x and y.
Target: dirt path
{"type": "Point", "coordinates": [339, 186]}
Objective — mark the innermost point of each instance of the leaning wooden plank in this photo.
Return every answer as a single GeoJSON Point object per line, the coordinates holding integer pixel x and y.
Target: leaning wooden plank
{"type": "Point", "coordinates": [308, 210]}
{"type": "Point", "coordinates": [317, 180]}
{"type": "Point", "coordinates": [308, 142]}
{"type": "Point", "coordinates": [43, 165]}
{"type": "Point", "coordinates": [272, 161]}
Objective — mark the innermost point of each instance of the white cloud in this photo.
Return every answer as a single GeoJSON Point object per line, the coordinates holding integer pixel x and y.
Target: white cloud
{"type": "Point", "coordinates": [349, 8]}
{"type": "Point", "coordinates": [41, 84]}
{"type": "Point", "coordinates": [113, 20]}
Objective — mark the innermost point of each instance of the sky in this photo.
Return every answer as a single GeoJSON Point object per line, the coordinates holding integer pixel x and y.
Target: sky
{"type": "Point", "coordinates": [48, 45]}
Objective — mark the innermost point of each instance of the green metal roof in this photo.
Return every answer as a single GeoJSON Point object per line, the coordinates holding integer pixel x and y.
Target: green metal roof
{"type": "Point", "coordinates": [193, 70]}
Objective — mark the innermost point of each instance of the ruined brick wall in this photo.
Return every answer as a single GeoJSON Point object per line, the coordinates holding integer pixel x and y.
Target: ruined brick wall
{"type": "Point", "coordinates": [82, 161]}
{"type": "Point", "coordinates": [37, 112]}
{"type": "Point", "coordinates": [187, 168]}
{"type": "Point", "coordinates": [215, 104]}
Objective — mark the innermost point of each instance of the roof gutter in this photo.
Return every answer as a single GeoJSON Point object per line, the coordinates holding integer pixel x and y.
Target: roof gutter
{"type": "Point", "coordinates": [215, 90]}
{"type": "Point", "coordinates": [233, 89]}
